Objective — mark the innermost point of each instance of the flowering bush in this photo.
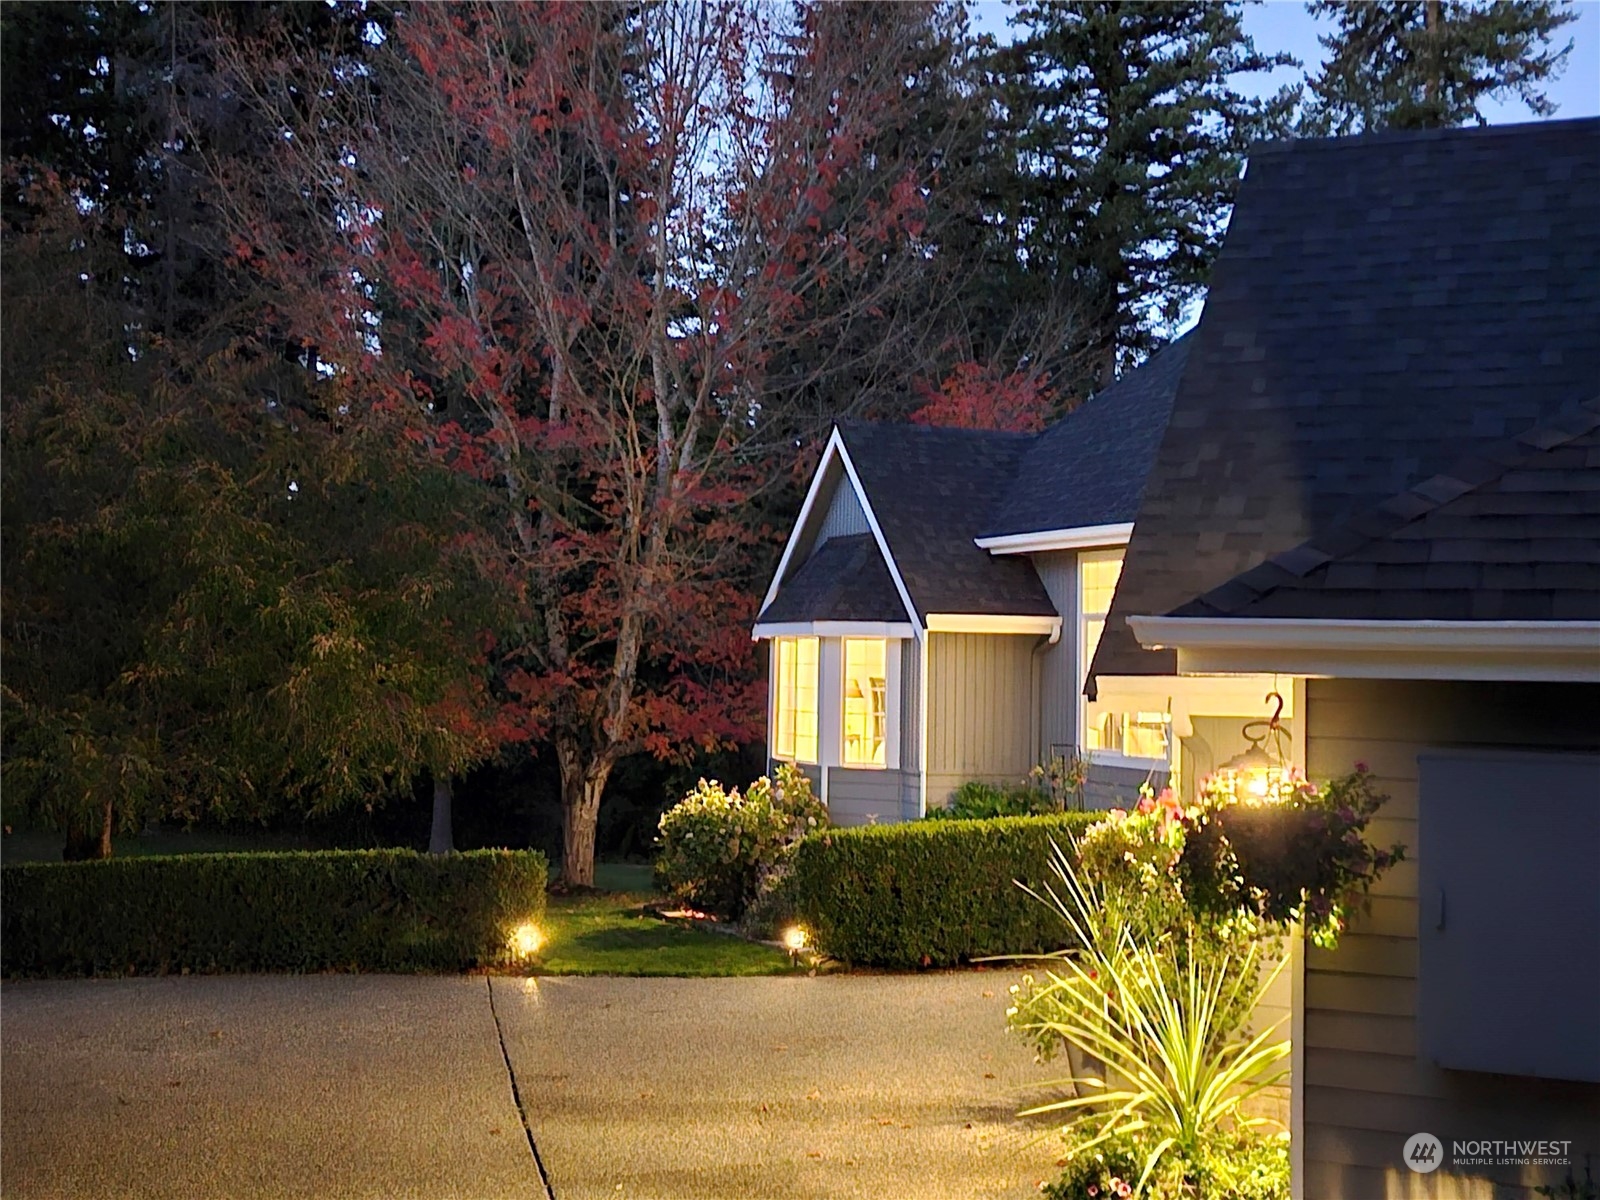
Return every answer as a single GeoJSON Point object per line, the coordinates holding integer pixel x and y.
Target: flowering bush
{"type": "Point", "coordinates": [719, 847]}
{"type": "Point", "coordinates": [1302, 858]}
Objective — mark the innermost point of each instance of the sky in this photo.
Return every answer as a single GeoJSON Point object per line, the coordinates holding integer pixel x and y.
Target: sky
{"type": "Point", "coordinates": [1286, 25]}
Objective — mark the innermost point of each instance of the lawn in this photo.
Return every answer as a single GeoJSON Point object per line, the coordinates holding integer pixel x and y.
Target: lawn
{"type": "Point", "coordinates": [610, 933]}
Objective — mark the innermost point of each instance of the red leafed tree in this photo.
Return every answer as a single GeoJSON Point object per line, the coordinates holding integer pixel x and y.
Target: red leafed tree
{"type": "Point", "coordinates": [562, 242]}
{"type": "Point", "coordinates": [973, 396]}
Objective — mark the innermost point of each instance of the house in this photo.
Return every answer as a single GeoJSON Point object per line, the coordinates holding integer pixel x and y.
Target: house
{"type": "Point", "coordinates": [938, 598]}
{"type": "Point", "coordinates": [1380, 485]}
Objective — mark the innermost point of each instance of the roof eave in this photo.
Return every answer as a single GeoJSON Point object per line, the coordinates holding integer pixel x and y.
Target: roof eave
{"type": "Point", "coordinates": [1549, 651]}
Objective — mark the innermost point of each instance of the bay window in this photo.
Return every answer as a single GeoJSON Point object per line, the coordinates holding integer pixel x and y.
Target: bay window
{"type": "Point", "coordinates": [794, 700]}
{"type": "Point", "coordinates": [865, 704]}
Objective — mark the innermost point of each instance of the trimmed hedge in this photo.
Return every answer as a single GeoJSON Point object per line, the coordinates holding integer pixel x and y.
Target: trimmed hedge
{"type": "Point", "coordinates": [355, 910]}
{"type": "Point", "coordinates": [931, 893]}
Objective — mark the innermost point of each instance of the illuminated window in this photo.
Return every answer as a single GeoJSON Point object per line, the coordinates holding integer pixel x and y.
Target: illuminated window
{"type": "Point", "coordinates": [866, 702]}
{"type": "Point", "coordinates": [1105, 732]}
{"type": "Point", "coordinates": [794, 703]}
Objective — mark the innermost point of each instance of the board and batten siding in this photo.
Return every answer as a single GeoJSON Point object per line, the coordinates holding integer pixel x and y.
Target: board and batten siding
{"type": "Point", "coordinates": [1367, 1088]}
{"type": "Point", "coordinates": [980, 710]}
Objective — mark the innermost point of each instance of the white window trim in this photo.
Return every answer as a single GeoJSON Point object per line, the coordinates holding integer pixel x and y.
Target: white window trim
{"type": "Point", "coordinates": [891, 714]}
{"type": "Point", "coordinates": [772, 709]}
{"type": "Point", "coordinates": [1106, 758]}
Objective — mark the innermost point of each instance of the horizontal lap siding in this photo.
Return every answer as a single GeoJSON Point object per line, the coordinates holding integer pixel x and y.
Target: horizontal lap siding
{"type": "Point", "coordinates": [864, 797]}
{"type": "Point", "coordinates": [1366, 1089]}
{"type": "Point", "coordinates": [980, 710]}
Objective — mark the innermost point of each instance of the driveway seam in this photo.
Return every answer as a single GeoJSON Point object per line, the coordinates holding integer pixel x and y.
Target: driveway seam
{"type": "Point", "coordinates": [516, 1094]}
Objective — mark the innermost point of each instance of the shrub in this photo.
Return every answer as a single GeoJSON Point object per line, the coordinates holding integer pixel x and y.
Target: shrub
{"type": "Point", "coordinates": [979, 801]}
{"type": "Point", "coordinates": [1174, 1059]}
{"type": "Point", "coordinates": [929, 893]}
{"type": "Point", "coordinates": [373, 910]}
{"type": "Point", "coordinates": [720, 849]}
{"type": "Point", "coordinates": [1304, 857]}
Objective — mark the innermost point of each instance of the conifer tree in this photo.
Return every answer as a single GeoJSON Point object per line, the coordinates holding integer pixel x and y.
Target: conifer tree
{"type": "Point", "coordinates": [1130, 138]}
{"type": "Point", "coordinates": [1427, 64]}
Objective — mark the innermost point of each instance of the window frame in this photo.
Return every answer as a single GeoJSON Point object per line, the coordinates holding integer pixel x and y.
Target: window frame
{"type": "Point", "coordinates": [1106, 757]}
{"type": "Point", "coordinates": [779, 700]}
{"type": "Point", "coordinates": [889, 730]}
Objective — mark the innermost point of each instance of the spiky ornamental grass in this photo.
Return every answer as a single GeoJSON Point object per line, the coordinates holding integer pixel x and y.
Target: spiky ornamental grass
{"type": "Point", "coordinates": [1177, 1058]}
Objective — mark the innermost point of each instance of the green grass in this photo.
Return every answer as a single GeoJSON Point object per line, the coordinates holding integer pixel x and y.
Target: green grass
{"type": "Point", "coordinates": [610, 933]}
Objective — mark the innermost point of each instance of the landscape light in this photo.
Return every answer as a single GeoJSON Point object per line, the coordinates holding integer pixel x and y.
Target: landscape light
{"type": "Point", "coordinates": [526, 940]}
{"type": "Point", "coordinates": [795, 939]}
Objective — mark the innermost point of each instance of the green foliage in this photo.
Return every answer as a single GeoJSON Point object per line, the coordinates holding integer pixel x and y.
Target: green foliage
{"type": "Point", "coordinates": [1426, 64]}
{"type": "Point", "coordinates": [721, 849]}
{"type": "Point", "coordinates": [929, 893]}
{"type": "Point", "coordinates": [979, 801]}
{"type": "Point", "coordinates": [1304, 858]}
{"type": "Point", "coordinates": [1128, 136]}
{"type": "Point", "coordinates": [1173, 1059]}
{"type": "Point", "coordinates": [370, 910]}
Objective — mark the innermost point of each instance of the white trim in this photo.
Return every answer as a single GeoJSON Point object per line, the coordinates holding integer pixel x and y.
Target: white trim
{"type": "Point", "coordinates": [877, 530]}
{"type": "Point", "coordinates": [836, 446]}
{"type": "Point", "coordinates": [922, 728]}
{"type": "Point", "coordinates": [875, 629]}
{"type": "Point", "coordinates": [1297, 983]}
{"type": "Point", "coordinates": [1081, 537]}
{"type": "Point", "coordinates": [893, 704]}
{"type": "Point", "coordinates": [987, 623]}
{"type": "Point", "coordinates": [1551, 651]}
{"type": "Point", "coordinates": [1114, 758]}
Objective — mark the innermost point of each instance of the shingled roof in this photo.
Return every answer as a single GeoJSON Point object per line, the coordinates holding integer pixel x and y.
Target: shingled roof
{"type": "Point", "coordinates": [931, 490]}
{"type": "Point", "coordinates": [1383, 307]}
{"type": "Point", "coordinates": [845, 580]}
{"type": "Point", "coordinates": [1089, 468]}
{"type": "Point", "coordinates": [1512, 534]}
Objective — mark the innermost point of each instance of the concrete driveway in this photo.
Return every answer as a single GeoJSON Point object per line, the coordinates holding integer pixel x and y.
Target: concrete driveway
{"type": "Point", "coordinates": [390, 1086]}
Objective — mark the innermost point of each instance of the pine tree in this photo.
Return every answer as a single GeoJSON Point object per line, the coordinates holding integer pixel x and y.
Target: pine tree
{"type": "Point", "coordinates": [1426, 64]}
{"type": "Point", "coordinates": [1130, 139]}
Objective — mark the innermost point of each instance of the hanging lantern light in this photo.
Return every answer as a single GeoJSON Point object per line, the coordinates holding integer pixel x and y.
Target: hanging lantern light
{"type": "Point", "coordinates": [1258, 775]}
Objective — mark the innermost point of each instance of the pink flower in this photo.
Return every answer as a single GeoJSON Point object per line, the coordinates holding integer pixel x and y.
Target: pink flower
{"type": "Point", "coordinates": [1146, 805]}
{"type": "Point", "coordinates": [1118, 814]}
{"type": "Point", "coordinates": [1124, 1188]}
{"type": "Point", "coordinates": [1361, 768]}
{"type": "Point", "coordinates": [1094, 1190]}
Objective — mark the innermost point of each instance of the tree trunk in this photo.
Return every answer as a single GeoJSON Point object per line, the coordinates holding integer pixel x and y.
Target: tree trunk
{"type": "Point", "coordinates": [84, 844]}
{"type": "Point", "coordinates": [442, 839]}
{"type": "Point", "coordinates": [581, 786]}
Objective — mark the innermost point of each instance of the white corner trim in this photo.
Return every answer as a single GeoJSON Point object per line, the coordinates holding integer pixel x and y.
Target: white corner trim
{"type": "Point", "coordinates": [986, 623]}
{"type": "Point", "coordinates": [1534, 650]}
{"type": "Point", "coordinates": [1083, 537]}
{"type": "Point", "coordinates": [867, 629]}
{"type": "Point", "coordinates": [834, 444]}
{"type": "Point", "coordinates": [877, 530]}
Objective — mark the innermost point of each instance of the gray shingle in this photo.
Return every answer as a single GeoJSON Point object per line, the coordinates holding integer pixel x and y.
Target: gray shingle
{"type": "Point", "coordinates": [845, 580]}
{"type": "Point", "coordinates": [1353, 346]}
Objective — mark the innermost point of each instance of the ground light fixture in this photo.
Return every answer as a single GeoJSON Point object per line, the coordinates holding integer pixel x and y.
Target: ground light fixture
{"type": "Point", "coordinates": [525, 940]}
{"type": "Point", "coordinates": [794, 941]}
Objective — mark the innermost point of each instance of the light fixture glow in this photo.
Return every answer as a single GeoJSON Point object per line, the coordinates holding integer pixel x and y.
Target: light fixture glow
{"type": "Point", "coordinates": [795, 939]}
{"type": "Point", "coordinates": [526, 939]}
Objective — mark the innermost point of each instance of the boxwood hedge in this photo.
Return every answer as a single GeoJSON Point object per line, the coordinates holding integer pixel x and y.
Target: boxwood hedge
{"type": "Point", "coordinates": [369, 910]}
{"type": "Point", "coordinates": [931, 893]}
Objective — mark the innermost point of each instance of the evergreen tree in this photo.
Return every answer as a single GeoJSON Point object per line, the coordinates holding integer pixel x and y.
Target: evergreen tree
{"type": "Point", "coordinates": [1426, 64]}
{"type": "Point", "coordinates": [1129, 138]}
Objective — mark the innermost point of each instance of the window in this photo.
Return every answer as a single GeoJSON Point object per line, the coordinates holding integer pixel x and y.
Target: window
{"type": "Point", "coordinates": [1106, 732]}
{"type": "Point", "coordinates": [866, 702]}
{"type": "Point", "coordinates": [794, 700]}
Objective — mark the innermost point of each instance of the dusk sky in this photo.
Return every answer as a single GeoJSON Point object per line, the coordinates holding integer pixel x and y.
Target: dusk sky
{"type": "Point", "coordinates": [1286, 25]}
